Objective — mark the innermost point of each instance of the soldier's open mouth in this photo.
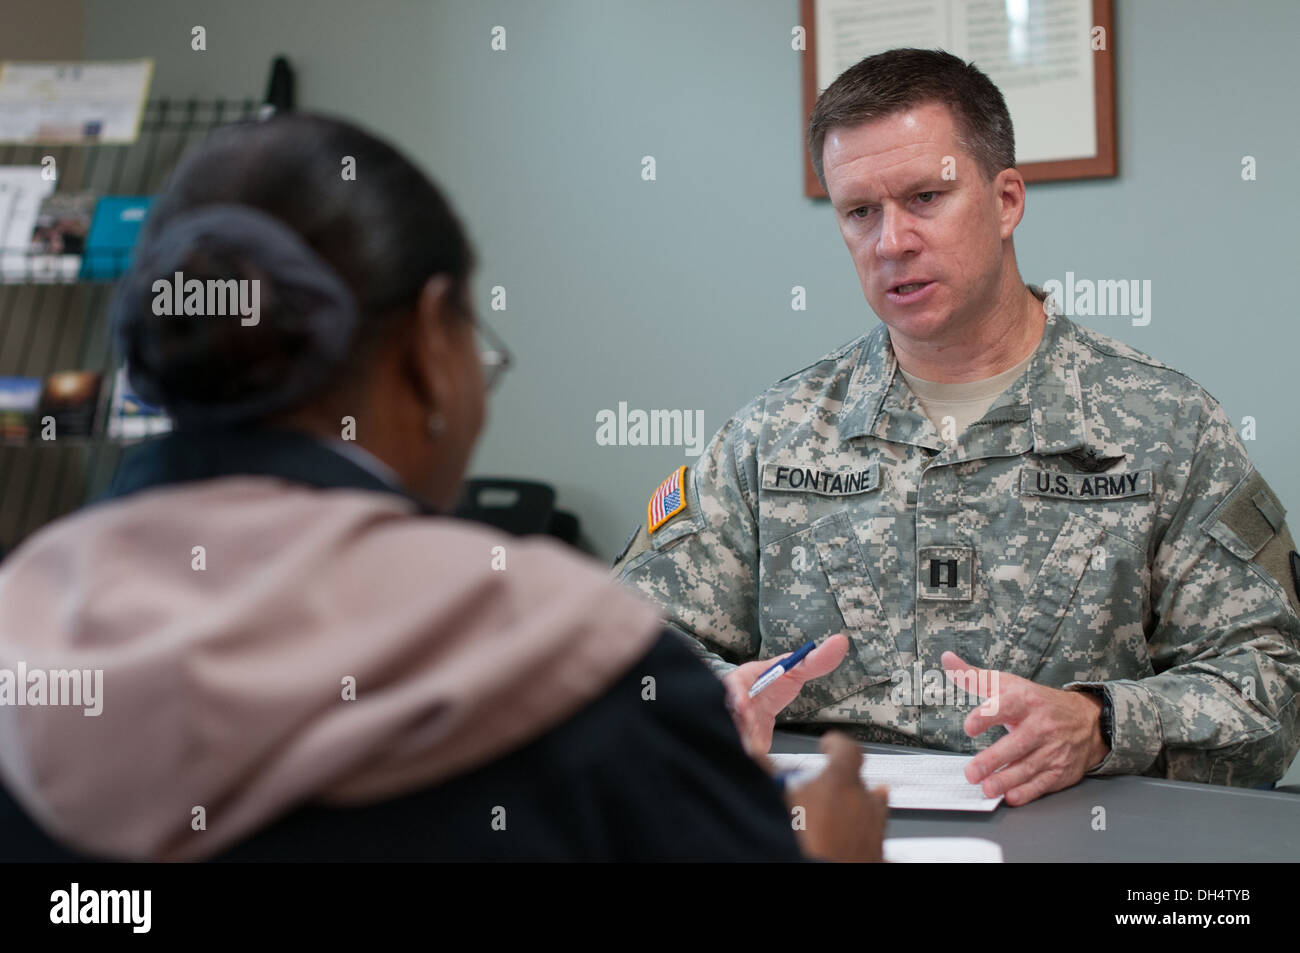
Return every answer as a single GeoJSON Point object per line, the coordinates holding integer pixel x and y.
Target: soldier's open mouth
{"type": "Point", "coordinates": [906, 294]}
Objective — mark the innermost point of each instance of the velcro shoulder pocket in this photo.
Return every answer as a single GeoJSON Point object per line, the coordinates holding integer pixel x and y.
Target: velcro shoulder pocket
{"type": "Point", "coordinates": [683, 524]}
{"type": "Point", "coordinates": [640, 548]}
{"type": "Point", "coordinates": [1249, 516]}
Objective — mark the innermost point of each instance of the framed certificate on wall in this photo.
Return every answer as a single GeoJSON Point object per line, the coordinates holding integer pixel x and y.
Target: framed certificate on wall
{"type": "Point", "coordinates": [1052, 59]}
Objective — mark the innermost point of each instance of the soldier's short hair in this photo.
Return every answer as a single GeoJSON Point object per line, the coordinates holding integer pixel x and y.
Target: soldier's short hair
{"type": "Point", "coordinates": [889, 82]}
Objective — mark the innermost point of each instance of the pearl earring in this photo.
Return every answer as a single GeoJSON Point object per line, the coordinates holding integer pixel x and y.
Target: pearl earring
{"type": "Point", "coordinates": [436, 425]}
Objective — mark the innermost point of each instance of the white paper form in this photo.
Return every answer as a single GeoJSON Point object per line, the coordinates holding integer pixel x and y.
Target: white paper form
{"type": "Point", "coordinates": [22, 187]}
{"type": "Point", "coordinates": [942, 850]}
{"type": "Point", "coordinates": [916, 782]}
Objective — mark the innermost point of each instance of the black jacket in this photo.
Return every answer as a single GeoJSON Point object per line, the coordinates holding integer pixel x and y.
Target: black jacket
{"type": "Point", "coordinates": [625, 778]}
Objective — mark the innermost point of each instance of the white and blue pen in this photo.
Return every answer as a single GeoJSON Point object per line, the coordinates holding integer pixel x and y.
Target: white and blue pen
{"type": "Point", "coordinates": [781, 667]}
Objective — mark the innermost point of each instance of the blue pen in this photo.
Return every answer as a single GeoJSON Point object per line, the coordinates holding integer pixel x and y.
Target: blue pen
{"type": "Point", "coordinates": [781, 667]}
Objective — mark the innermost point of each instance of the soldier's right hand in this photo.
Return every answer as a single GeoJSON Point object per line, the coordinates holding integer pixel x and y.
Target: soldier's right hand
{"type": "Point", "coordinates": [756, 717]}
{"type": "Point", "coordinates": [842, 819]}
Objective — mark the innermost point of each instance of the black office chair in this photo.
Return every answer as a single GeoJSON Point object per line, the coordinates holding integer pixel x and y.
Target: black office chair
{"type": "Point", "coordinates": [519, 507]}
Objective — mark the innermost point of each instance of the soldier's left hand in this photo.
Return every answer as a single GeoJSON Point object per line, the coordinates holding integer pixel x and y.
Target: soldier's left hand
{"type": "Point", "coordinates": [1053, 736]}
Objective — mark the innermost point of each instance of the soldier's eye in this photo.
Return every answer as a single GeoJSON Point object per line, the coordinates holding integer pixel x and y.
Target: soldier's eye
{"type": "Point", "coordinates": [922, 195]}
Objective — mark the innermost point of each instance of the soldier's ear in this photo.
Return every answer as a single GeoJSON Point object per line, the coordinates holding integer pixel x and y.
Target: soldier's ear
{"type": "Point", "coordinates": [1009, 190]}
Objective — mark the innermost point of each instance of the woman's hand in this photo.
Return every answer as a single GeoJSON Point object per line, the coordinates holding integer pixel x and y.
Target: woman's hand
{"type": "Point", "coordinates": [841, 819]}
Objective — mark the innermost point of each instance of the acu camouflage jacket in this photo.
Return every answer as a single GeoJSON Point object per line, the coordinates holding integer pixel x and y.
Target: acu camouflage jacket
{"type": "Point", "coordinates": [1100, 527]}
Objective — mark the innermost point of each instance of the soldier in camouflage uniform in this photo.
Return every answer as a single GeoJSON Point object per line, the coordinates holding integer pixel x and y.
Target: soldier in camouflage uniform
{"type": "Point", "coordinates": [1099, 529]}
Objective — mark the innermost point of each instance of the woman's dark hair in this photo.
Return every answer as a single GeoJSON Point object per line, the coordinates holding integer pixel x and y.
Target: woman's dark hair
{"type": "Point", "coordinates": [373, 217]}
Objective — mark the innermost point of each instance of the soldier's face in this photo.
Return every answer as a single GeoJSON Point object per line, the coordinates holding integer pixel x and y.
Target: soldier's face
{"type": "Point", "coordinates": [913, 207]}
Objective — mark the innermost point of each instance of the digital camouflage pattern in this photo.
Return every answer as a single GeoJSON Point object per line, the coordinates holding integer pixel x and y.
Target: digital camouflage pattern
{"type": "Point", "coordinates": [1100, 527]}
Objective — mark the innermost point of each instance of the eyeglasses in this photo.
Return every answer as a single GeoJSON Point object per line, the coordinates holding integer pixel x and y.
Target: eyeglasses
{"type": "Point", "coordinates": [494, 356]}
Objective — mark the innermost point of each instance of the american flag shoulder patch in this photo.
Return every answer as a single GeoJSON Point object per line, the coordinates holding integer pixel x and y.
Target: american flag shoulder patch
{"type": "Point", "coordinates": [668, 500]}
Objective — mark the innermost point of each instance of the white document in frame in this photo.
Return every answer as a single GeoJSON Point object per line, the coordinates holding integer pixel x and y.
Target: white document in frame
{"type": "Point", "coordinates": [916, 782]}
{"type": "Point", "coordinates": [1037, 52]}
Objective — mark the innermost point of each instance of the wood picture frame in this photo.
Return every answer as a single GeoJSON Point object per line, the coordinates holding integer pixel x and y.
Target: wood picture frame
{"type": "Point", "coordinates": [1102, 163]}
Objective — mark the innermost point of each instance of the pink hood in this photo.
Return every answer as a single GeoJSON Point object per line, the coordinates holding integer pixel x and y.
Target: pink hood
{"type": "Point", "coordinates": [223, 687]}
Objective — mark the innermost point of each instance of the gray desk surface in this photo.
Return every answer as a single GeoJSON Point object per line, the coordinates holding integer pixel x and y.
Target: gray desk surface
{"type": "Point", "coordinates": [1147, 819]}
